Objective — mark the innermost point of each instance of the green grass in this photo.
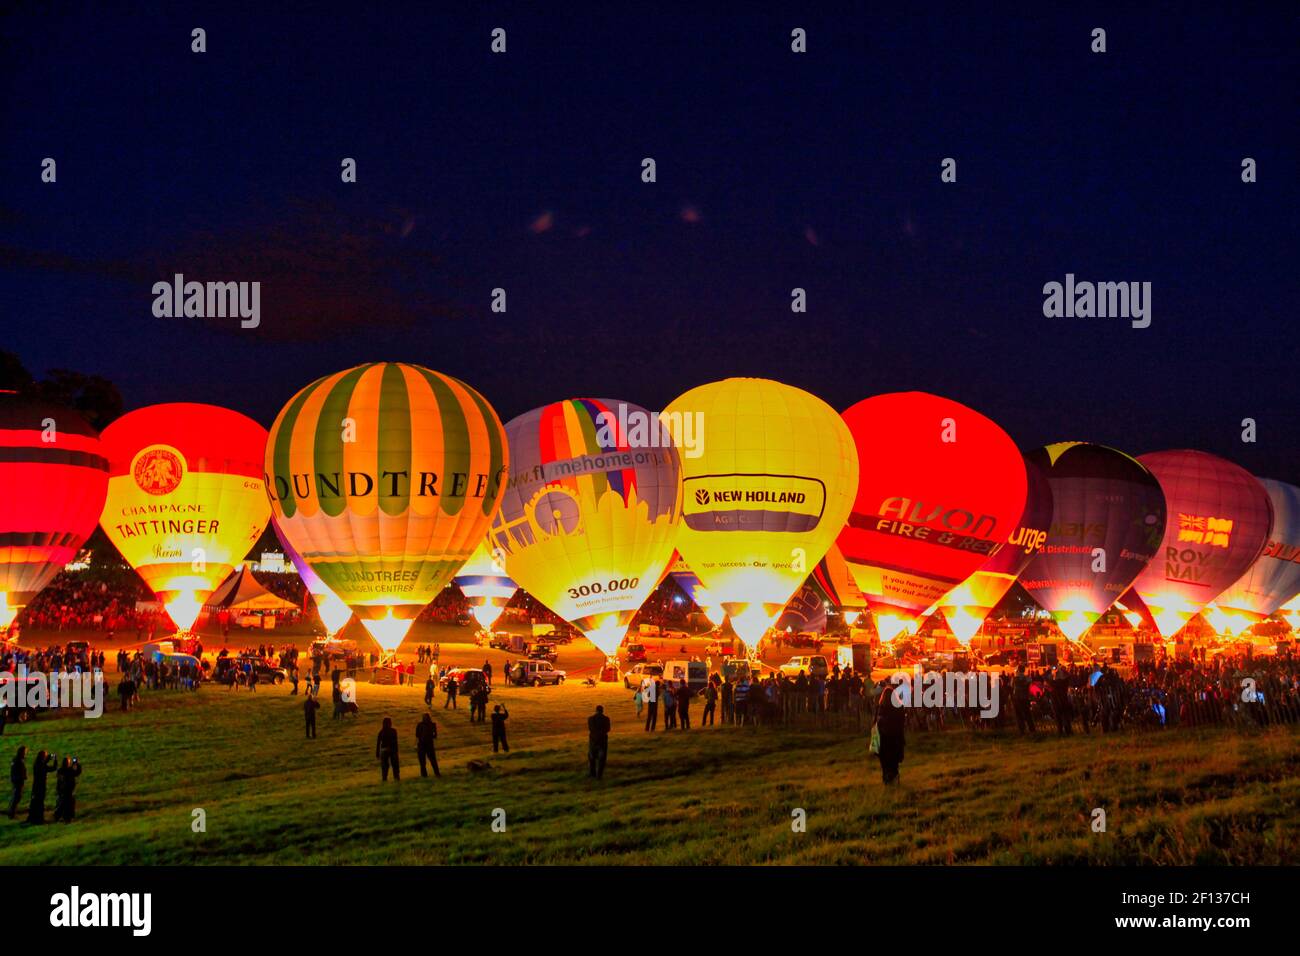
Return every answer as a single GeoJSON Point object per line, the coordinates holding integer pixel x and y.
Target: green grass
{"type": "Point", "coordinates": [722, 795]}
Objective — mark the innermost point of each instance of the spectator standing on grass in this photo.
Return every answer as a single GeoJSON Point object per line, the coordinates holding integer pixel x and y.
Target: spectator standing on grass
{"type": "Point", "coordinates": [1020, 701]}
{"type": "Point", "coordinates": [670, 706]}
{"type": "Point", "coordinates": [309, 707]}
{"type": "Point", "coordinates": [65, 789]}
{"type": "Point", "coordinates": [40, 772]}
{"type": "Point", "coordinates": [597, 743]}
{"type": "Point", "coordinates": [487, 672]}
{"type": "Point", "coordinates": [639, 699]}
{"type": "Point", "coordinates": [428, 691]}
{"type": "Point", "coordinates": [889, 725]}
{"type": "Point", "coordinates": [17, 779]}
{"type": "Point", "coordinates": [426, 735]}
{"type": "Point", "coordinates": [652, 711]}
{"type": "Point", "coordinates": [728, 703]}
{"type": "Point", "coordinates": [710, 702]}
{"type": "Point", "coordinates": [684, 705]}
{"type": "Point", "coordinates": [499, 717]}
{"type": "Point", "coordinates": [386, 751]}
{"type": "Point", "coordinates": [452, 690]}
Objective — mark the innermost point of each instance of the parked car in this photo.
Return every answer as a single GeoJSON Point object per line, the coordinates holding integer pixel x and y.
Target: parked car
{"type": "Point", "coordinates": [543, 652]}
{"type": "Point", "coordinates": [535, 674]}
{"type": "Point", "coordinates": [734, 667]}
{"type": "Point", "coordinates": [16, 714]}
{"type": "Point", "coordinates": [232, 669]}
{"type": "Point", "coordinates": [634, 675]}
{"type": "Point", "coordinates": [636, 653]}
{"type": "Point", "coordinates": [695, 673]}
{"type": "Point", "coordinates": [814, 665]}
{"type": "Point", "coordinates": [467, 679]}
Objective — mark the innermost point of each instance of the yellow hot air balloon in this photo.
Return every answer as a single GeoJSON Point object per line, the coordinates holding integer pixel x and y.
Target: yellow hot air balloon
{"type": "Point", "coordinates": [590, 512]}
{"type": "Point", "coordinates": [385, 477]}
{"type": "Point", "coordinates": [769, 475]}
{"type": "Point", "coordinates": [186, 499]}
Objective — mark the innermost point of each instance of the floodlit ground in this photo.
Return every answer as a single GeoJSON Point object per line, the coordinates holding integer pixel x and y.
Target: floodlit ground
{"type": "Point", "coordinates": [716, 795]}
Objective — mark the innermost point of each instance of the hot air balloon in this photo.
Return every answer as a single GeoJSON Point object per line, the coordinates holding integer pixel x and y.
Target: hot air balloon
{"type": "Point", "coordinates": [589, 515]}
{"type": "Point", "coordinates": [186, 500]}
{"type": "Point", "coordinates": [941, 488]}
{"type": "Point", "coordinates": [483, 580]}
{"type": "Point", "coordinates": [1290, 612]}
{"type": "Point", "coordinates": [1219, 521]}
{"type": "Point", "coordinates": [765, 490]}
{"type": "Point", "coordinates": [833, 576]}
{"type": "Point", "coordinates": [966, 606]}
{"type": "Point", "coordinates": [804, 613]}
{"type": "Point", "coordinates": [1108, 515]}
{"type": "Point", "coordinates": [1274, 578]}
{"type": "Point", "coordinates": [53, 477]}
{"type": "Point", "coordinates": [334, 614]}
{"type": "Point", "coordinates": [385, 477]}
{"type": "Point", "coordinates": [689, 581]}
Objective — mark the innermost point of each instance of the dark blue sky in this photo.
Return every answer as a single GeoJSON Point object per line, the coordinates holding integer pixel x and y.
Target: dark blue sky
{"type": "Point", "coordinates": [774, 170]}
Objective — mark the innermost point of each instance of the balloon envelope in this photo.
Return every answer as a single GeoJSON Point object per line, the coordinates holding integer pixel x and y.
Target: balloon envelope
{"type": "Point", "coordinates": [589, 515]}
{"type": "Point", "coordinates": [941, 487]}
{"type": "Point", "coordinates": [689, 582]}
{"type": "Point", "coordinates": [966, 606]}
{"type": "Point", "coordinates": [1274, 578]}
{"type": "Point", "coordinates": [833, 576]}
{"type": "Point", "coordinates": [485, 584]}
{"type": "Point", "coordinates": [1108, 515]}
{"type": "Point", "coordinates": [385, 477]}
{"type": "Point", "coordinates": [186, 499]}
{"type": "Point", "coordinates": [334, 614]}
{"type": "Point", "coordinates": [53, 479]}
{"type": "Point", "coordinates": [1219, 521]}
{"type": "Point", "coordinates": [765, 491]}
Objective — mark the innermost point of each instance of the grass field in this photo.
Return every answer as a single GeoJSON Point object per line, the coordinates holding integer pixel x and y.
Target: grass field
{"type": "Point", "coordinates": [720, 795]}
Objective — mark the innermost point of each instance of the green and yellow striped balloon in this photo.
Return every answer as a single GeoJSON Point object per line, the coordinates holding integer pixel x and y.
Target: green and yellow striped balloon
{"type": "Point", "coordinates": [385, 477]}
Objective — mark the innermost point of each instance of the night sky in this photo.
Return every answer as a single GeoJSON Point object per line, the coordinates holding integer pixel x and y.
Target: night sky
{"type": "Point", "coordinates": [775, 170]}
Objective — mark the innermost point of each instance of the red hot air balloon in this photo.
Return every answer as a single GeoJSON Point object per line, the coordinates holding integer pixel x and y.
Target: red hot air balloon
{"type": "Point", "coordinates": [940, 487]}
{"type": "Point", "coordinates": [53, 477]}
{"type": "Point", "coordinates": [1219, 520]}
{"type": "Point", "coordinates": [1108, 514]}
{"type": "Point", "coordinates": [966, 606]}
{"type": "Point", "coordinates": [186, 500]}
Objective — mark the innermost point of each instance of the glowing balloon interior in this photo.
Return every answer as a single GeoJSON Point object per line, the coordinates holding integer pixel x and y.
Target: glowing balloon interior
{"type": "Point", "coordinates": [385, 477]}
{"type": "Point", "coordinates": [1108, 515]}
{"type": "Point", "coordinates": [185, 499]}
{"type": "Point", "coordinates": [53, 479]}
{"type": "Point", "coordinates": [589, 516]}
{"type": "Point", "coordinates": [941, 488]}
{"type": "Point", "coordinates": [1219, 521]}
{"type": "Point", "coordinates": [484, 582]}
{"type": "Point", "coordinates": [765, 496]}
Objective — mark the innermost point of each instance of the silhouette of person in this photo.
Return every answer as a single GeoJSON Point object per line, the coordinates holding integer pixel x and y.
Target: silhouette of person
{"type": "Point", "coordinates": [426, 732]}
{"type": "Point", "coordinates": [597, 742]}
{"type": "Point", "coordinates": [386, 751]}
{"type": "Point", "coordinates": [40, 771]}
{"type": "Point", "coordinates": [309, 708]}
{"type": "Point", "coordinates": [499, 717]}
{"type": "Point", "coordinates": [65, 789]}
{"type": "Point", "coordinates": [18, 779]}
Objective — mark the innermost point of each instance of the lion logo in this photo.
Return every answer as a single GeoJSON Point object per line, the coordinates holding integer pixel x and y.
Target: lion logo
{"type": "Point", "coordinates": [158, 470]}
